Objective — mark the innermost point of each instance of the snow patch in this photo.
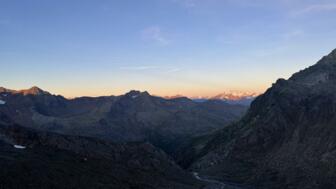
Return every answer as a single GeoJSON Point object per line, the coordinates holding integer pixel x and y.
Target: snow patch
{"type": "Point", "coordinates": [2, 102]}
{"type": "Point", "coordinates": [19, 146]}
{"type": "Point", "coordinates": [134, 96]}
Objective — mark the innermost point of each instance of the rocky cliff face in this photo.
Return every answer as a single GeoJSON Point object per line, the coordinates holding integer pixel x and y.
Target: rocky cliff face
{"type": "Point", "coordinates": [286, 140]}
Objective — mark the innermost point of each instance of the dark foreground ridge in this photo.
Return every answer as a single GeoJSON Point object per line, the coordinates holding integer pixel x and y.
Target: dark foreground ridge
{"type": "Point", "coordinates": [35, 159]}
{"type": "Point", "coordinates": [286, 140]}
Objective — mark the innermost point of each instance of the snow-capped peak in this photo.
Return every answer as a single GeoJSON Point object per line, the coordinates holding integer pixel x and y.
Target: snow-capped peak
{"type": "Point", "coordinates": [235, 95]}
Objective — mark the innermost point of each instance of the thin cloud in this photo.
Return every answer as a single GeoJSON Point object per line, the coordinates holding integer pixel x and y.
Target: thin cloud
{"type": "Point", "coordinates": [138, 67]}
{"type": "Point", "coordinates": [316, 8]}
{"type": "Point", "coordinates": [235, 37]}
{"type": "Point", "coordinates": [156, 35]}
{"type": "Point", "coordinates": [158, 69]}
{"type": "Point", "coordinates": [173, 70]}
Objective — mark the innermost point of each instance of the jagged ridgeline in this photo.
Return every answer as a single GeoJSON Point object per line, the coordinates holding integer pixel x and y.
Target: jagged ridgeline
{"type": "Point", "coordinates": [135, 116]}
{"type": "Point", "coordinates": [286, 140]}
{"type": "Point", "coordinates": [48, 141]}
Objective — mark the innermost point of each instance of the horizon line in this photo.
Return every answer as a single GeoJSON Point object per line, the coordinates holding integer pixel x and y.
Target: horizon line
{"type": "Point", "coordinates": [177, 95]}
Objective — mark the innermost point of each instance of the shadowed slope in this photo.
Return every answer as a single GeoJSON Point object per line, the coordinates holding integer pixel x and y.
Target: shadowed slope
{"type": "Point", "coordinates": [35, 159]}
{"type": "Point", "coordinates": [286, 140]}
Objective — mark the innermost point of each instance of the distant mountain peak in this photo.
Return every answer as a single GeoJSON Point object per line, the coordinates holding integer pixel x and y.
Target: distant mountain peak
{"type": "Point", "coordinates": [4, 90]}
{"type": "Point", "coordinates": [235, 95]}
{"type": "Point", "coordinates": [231, 97]}
{"type": "Point", "coordinates": [135, 94]}
{"type": "Point", "coordinates": [174, 97]}
{"type": "Point", "coordinates": [31, 91]}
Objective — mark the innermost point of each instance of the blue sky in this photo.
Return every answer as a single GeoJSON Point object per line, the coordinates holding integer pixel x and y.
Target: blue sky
{"type": "Point", "coordinates": [167, 47]}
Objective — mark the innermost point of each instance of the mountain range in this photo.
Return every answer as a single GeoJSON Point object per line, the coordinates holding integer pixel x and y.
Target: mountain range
{"type": "Point", "coordinates": [231, 97]}
{"type": "Point", "coordinates": [129, 134]}
{"type": "Point", "coordinates": [135, 116]}
{"type": "Point", "coordinates": [286, 139]}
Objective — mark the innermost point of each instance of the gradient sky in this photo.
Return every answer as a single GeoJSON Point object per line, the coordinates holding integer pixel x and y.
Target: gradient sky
{"type": "Point", "coordinates": [167, 47]}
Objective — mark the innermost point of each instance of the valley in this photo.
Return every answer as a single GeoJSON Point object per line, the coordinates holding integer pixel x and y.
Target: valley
{"type": "Point", "coordinates": [285, 139]}
{"type": "Point", "coordinates": [167, 94]}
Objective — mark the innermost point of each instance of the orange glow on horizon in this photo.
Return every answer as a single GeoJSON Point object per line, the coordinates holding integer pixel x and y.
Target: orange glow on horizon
{"type": "Point", "coordinates": [164, 92]}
